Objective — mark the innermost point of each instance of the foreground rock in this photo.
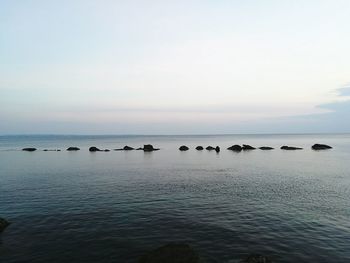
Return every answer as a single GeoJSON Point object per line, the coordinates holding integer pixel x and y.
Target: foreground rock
{"type": "Point", "coordinates": [256, 259]}
{"type": "Point", "coordinates": [183, 148]}
{"type": "Point", "coordinates": [73, 149]}
{"type": "Point", "coordinates": [125, 148]}
{"type": "Point", "coordinates": [317, 147]}
{"type": "Point", "coordinates": [290, 148]}
{"type": "Point", "coordinates": [149, 148]}
{"type": "Point", "coordinates": [3, 224]}
{"type": "Point", "coordinates": [199, 148]}
{"type": "Point", "coordinates": [266, 148]}
{"type": "Point", "coordinates": [217, 149]}
{"type": "Point", "coordinates": [210, 148]}
{"type": "Point", "coordinates": [235, 148]}
{"type": "Point", "coordinates": [247, 147]}
{"type": "Point", "coordinates": [171, 253]}
{"type": "Point", "coordinates": [29, 149]}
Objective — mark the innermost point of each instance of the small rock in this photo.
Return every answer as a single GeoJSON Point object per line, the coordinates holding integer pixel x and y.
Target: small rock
{"type": "Point", "coordinates": [29, 149]}
{"type": "Point", "coordinates": [3, 224]}
{"type": "Point", "coordinates": [106, 150]}
{"type": "Point", "coordinates": [94, 149]}
{"type": "Point", "coordinates": [247, 147]}
{"type": "Point", "coordinates": [210, 148]}
{"type": "Point", "coordinates": [256, 259]}
{"type": "Point", "coordinates": [128, 148]}
{"type": "Point", "coordinates": [171, 253]}
{"type": "Point", "coordinates": [149, 148]}
{"type": "Point", "coordinates": [317, 147]}
{"type": "Point", "coordinates": [139, 149]}
{"type": "Point", "coordinates": [217, 149]}
{"type": "Point", "coordinates": [235, 148]}
{"type": "Point", "coordinates": [290, 148]}
{"type": "Point", "coordinates": [199, 148]}
{"type": "Point", "coordinates": [73, 149]}
{"type": "Point", "coordinates": [183, 148]}
{"type": "Point", "coordinates": [266, 148]}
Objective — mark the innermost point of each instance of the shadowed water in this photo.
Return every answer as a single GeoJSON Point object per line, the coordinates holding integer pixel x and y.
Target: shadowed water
{"type": "Point", "coordinates": [113, 206]}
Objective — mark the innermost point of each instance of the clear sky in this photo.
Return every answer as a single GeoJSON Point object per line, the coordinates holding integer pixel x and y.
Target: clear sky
{"type": "Point", "coordinates": [174, 67]}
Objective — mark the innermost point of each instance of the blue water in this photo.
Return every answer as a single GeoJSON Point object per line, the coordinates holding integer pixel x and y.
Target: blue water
{"type": "Point", "coordinates": [293, 206]}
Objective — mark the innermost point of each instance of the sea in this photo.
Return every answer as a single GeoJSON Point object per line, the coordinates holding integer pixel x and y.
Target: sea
{"type": "Point", "coordinates": [292, 206]}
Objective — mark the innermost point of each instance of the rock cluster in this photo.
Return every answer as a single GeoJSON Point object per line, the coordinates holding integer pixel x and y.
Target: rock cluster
{"type": "Point", "coordinates": [95, 149]}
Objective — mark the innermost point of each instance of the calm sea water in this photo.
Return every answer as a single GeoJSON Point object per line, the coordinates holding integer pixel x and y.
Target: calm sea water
{"type": "Point", "coordinates": [113, 206]}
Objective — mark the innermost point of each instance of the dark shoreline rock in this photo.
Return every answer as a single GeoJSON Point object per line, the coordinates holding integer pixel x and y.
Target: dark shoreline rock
{"type": "Point", "coordinates": [247, 147]}
{"type": "Point", "coordinates": [235, 148]}
{"type": "Point", "coordinates": [266, 148]}
{"type": "Point", "coordinates": [184, 148]}
{"type": "Point", "coordinates": [73, 149]}
{"type": "Point", "coordinates": [3, 224]}
{"type": "Point", "coordinates": [318, 147]}
{"type": "Point", "coordinates": [199, 148]}
{"type": "Point", "coordinates": [125, 148]}
{"type": "Point", "coordinates": [94, 149]}
{"type": "Point", "coordinates": [51, 150]}
{"type": "Point", "coordinates": [171, 253]}
{"type": "Point", "coordinates": [217, 149]}
{"type": "Point", "coordinates": [29, 149]}
{"type": "Point", "coordinates": [210, 148]}
{"type": "Point", "coordinates": [290, 148]}
{"type": "Point", "coordinates": [149, 148]}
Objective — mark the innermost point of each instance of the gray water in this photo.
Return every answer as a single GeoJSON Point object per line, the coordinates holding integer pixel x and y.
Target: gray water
{"type": "Point", "coordinates": [114, 206]}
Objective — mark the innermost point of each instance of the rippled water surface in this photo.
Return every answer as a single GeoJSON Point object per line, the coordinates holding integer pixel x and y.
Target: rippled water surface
{"type": "Point", "coordinates": [113, 206]}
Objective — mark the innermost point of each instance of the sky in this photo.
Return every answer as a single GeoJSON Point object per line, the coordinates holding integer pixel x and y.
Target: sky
{"type": "Point", "coordinates": [174, 67]}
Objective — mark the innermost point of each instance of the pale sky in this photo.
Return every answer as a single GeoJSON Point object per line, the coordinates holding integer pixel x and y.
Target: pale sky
{"type": "Point", "coordinates": [174, 67]}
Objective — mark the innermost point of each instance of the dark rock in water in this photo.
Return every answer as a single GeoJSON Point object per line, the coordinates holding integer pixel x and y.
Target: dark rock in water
{"type": "Point", "coordinates": [183, 148]}
{"type": "Point", "coordinates": [3, 224]}
{"type": "Point", "coordinates": [171, 253]}
{"type": "Point", "coordinates": [127, 148]}
{"type": "Point", "coordinates": [210, 148]}
{"type": "Point", "coordinates": [29, 149]}
{"type": "Point", "coordinates": [256, 259]}
{"type": "Point", "coordinates": [317, 147]}
{"type": "Point", "coordinates": [266, 148]}
{"type": "Point", "coordinates": [149, 148]}
{"type": "Point", "coordinates": [290, 148]}
{"type": "Point", "coordinates": [139, 149]}
{"type": "Point", "coordinates": [199, 148]}
{"type": "Point", "coordinates": [94, 149]}
{"type": "Point", "coordinates": [54, 150]}
{"type": "Point", "coordinates": [247, 147]}
{"type": "Point", "coordinates": [106, 150]}
{"type": "Point", "coordinates": [235, 148]}
{"type": "Point", "coordinates": [217, 149]}
{"type": "Point", "coordinates": [73, 149]}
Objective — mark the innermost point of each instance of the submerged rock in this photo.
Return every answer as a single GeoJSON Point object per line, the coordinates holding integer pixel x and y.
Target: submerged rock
{"type": "Point", "coordinates": [94, 149]}
{"type": "Point", "coordinates": [256, 259]}
{"type": "Point", "coordinates": [210, 148]}
{"type": "Point", "coordinates": [235, 148]}
{"type": "Point", "coordinates": [266, 148]}
{"type": "Point", "coordinates": [320, 147]}
{"type": "Point", "coordinates": [217, 149]}
{"type": "Point", "coordinates": [149, 148]}
{"type": "Point", "coordinates": [73, 149]}
{"type": "Point", "coordinates": [29, 149]}
{"type": "Point", "coordinates": [171, 253]}
{"type": "Point", "coordinates": [3, 224]}
{"type": "Point", "coordinates": [51, 150]}
{"type": "Point", "coordinates": [199, 148]}
{"type": "Point", "coordinates": [139, 149]}
{"type": "Point", "coordinates": [125, 148]}
{"type": "Point", "coordinates": [183, 148]}
{"type": "Point", "coordinates": [290, 148]}
{"type": "Point", "coordinates": [247, 147]}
